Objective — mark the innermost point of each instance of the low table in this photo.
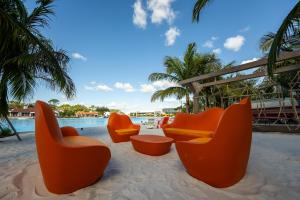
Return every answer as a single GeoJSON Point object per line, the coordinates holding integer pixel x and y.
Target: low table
{"type": "Point", "coordinates": [153, 145]}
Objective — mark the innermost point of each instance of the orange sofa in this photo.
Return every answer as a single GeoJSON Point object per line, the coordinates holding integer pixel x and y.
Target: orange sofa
{"type": "Point", "coordinates": [120, 127]}
{"type": "Point", "coordinates": [68, 161]}
{"type": "Point", "coordinates": [221, 161]}
{"type": "Point", "coordinates": [191, 126]}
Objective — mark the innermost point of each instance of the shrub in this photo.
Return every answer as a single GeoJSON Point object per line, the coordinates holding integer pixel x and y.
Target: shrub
{"type": "Point", "coordinates": [5, 132]}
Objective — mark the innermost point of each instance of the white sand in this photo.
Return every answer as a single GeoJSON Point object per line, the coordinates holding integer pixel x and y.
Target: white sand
{"type": "Point", "coordinates": [273, 173]}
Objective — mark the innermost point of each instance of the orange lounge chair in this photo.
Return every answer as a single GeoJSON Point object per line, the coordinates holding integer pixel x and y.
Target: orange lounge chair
{"type": "Point", "coordinates": [191, 126]}
{"type": "Point", "coordinates": [68, 161]}
{"type": "Point", "coordinates": [120, 127]}
{"type": "Point", "coordinates": [221, 161]}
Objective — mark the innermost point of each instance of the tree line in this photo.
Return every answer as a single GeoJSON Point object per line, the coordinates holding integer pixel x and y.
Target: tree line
{"type": "Point", "coordinates": [65, 110]}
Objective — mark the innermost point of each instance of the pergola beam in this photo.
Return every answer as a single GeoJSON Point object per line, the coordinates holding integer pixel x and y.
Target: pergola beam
{"type": "Point", "coordinates": [248, 76]}
{"type": "Point", "coordinates": [255, 64]}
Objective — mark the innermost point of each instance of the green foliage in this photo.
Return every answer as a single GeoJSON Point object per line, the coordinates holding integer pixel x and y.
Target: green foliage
{"type": "Point", "coordinates": [27, 57]}
{"type": "Point", "coordinates": [53, 102]}
{"type": "Point", "coordinates": [101, 110]}
{"type": "Point", "coordinates": [115, 110]}
{"type": "Point", "coordinates": [4, 132]}
{"type": "Point", "coordinates": [15, 104]}
{"type": "Point", "coordinates": [287, 45]}
{"type": "Point", "coordinates": [67, 110]}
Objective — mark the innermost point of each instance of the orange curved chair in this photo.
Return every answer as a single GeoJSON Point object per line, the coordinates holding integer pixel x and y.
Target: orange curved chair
{"type": "Point", "coordinates": [120, 128]}
{"type": "Point", "coordinates": [163, 122]}
{"type": "Point", "coordinates": [68, 161]}
{"type": "Point", "coordinates": [191, 126]}
{"type": "Point", "coordinates": [221, 161]}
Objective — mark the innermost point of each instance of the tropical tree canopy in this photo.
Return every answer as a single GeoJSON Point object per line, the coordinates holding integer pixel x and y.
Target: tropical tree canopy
{"type": "Point", "coordinates": [193, 64]}
{"type": "Point", "coordinates": [27, 57]}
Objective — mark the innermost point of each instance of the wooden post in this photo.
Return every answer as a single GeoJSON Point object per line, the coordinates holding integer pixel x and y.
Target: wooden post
{"type": "Point", "coordinates": [196, 89]}
{"type": "Point", "coordinates": [196, 103]}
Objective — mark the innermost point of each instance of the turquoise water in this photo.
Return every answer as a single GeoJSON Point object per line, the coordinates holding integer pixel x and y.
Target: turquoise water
{"type": "Point", "coordinates": [24, 124]}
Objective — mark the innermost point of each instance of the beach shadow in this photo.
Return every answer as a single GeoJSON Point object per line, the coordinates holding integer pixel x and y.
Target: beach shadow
{"type": "Point", "coordinates": [179, 166]}
{"type": "Point", "coordinates": [112, 170]}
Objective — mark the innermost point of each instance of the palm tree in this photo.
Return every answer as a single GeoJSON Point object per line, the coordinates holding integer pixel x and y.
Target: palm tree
{"type": "Point", "coordinates": [27, 56]}
{"type": "Point", "coordinates": [192, 65]}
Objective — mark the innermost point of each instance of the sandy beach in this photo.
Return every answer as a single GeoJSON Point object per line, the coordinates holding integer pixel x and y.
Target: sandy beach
{"type": "Point", "coordinates": [273, 172]}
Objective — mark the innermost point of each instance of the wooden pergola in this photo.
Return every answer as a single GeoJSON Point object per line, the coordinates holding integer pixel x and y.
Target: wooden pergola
{"type": "Point", "coordinates": [261, 64]}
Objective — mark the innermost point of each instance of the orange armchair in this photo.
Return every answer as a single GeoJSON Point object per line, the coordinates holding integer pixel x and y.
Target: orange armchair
{"type": "Point", "coordinates": [120, 128]}
{"type": "Point", "coordinates": [164, 121]}
{"type": "Point", "coordinates": [68, 161]}
{"type": "Point", "coordinates": [191, 126]}
{"type": "Point", "coordinates": [221, 161]}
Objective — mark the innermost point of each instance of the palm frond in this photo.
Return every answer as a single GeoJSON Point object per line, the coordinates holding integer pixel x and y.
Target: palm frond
{"type": "Point", "coordinates": [178, 92]}
{"type": "Point", "coordinates": [266, 42]}
{"type": "Point", "coordinates": [40, 15]}
{"type": "Point", "coordinates": [189, 54]}
{"type": "Point", "coordinates": [162, 76]}
{"type": "Point", "coordinates": [174, 66]}
{"type": "Point", "coordinates": [287, 28]}
{"type": "Point", "coordinates": [199, 5]}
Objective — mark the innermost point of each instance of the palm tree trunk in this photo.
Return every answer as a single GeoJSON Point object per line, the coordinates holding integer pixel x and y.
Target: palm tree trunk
{"type": "Point", "coordinates": [187, 104]}
{"type": "Point", "coordinates": [12, 127]}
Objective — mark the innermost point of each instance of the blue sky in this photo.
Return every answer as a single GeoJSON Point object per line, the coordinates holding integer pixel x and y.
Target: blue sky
{"type": "Point", "coordinates": [115, 45]}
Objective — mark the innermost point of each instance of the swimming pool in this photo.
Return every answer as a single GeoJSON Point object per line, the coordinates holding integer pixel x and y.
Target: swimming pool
{"type": "Point", "coordinates": [27, 124]}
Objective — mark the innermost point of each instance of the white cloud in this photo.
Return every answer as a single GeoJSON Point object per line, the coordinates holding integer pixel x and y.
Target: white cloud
{"type": "Point", "coordinates": [161, 10]}
{"type": "Point", "coordinates": [79, 56]}
{"type": "Point", "coordinates": [93, 82]}
{"type": "Point", "coordinates": [124, 106]}
{"type": "Point", "coordinates": [217, 51]}
{"type": "Point", "coordinates": [210, 43]}
{"type": "Point", "coordinates": [89, 88]}
{"type": "Point", "coordinates": [157, 85]}
{"type": "Point", "coordinates": [100, 87]}
{"type": "Point", "coordinates": [234, 43]}
{"type": "Point", "coordinates": [139, 15]}
{"type": "Point", "coordinates": [248, 61]}
{"type": "Point", "coordinates": [171, 35]}
{"type": "Point", "coordinates": [245, 29]}
{"type": "Point", "coordinates": [112, 104]}
{"type": "Point", "coordinates": [127, 87]}
{"type": "Point", "coordinates": [104, 88]}
{"type": "Point", "coordinates": [147, 88]}
{"type": "Point", "coordinates": [164, 84]}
